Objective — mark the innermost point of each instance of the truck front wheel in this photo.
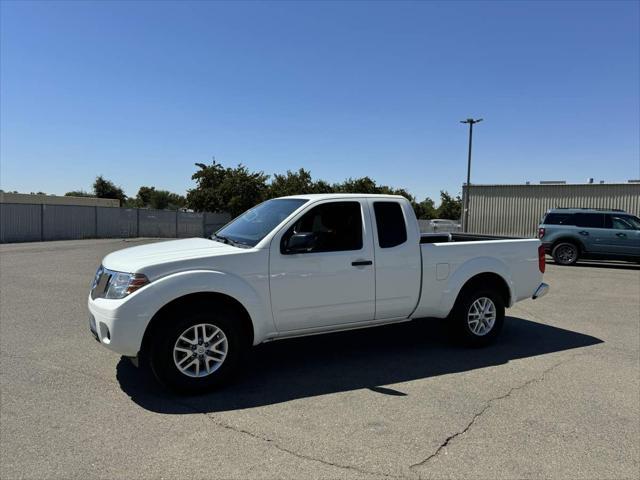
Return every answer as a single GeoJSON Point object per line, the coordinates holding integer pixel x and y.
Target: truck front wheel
{"type": "Point", "coordinates": [478, 317]}
{"type": "Point", "coordinates": [196, 351]}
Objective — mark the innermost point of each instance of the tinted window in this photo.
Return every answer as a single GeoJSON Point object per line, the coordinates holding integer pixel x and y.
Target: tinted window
{"type": "Point", "coordinates": [392, 230]}
{"type": "Point", "coordinates": [590, 220]}
{"type": "Point", "coordinates": [634, 221]}
{"type": "Point", "coordinates": [337, 225]}
{"type": "Point", "coordinates": [622, 222]}
{"type": "Point", "coordinates": [559, 219]}
{"type": "Point", "coordinates": [253, 225]}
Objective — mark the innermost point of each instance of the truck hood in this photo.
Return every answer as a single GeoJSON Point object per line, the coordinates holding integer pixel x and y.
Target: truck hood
{"type": "Point", "coordinates": [136, 259]}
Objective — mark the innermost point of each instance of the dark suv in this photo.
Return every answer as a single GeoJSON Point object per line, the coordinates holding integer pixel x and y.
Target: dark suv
{"type": "Point", "coordinates": [569, 234]}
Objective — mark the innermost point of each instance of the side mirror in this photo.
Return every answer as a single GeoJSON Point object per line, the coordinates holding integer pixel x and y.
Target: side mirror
{"type": "Point", "coordinates": [301, 242]}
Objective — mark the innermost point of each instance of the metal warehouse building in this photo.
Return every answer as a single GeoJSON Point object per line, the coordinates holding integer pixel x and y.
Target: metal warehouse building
{"type": "Point", "coordinates": [515, 210]}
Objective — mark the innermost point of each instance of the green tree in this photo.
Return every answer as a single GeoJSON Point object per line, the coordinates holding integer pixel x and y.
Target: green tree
{"type": "Point", "coordinates": [320, 186]}
{"type": "Point", "coordinates": [103, 188]}
{"type": "Point", "coordinates": [143, 198]}
{"type": "Point", "coordinates": [357, 185]}
{"type": "Point", "coordinates": [450, 208]}
{"type": "Point", "coordinates": [78, 193]}
{"type": "Point", "coordinates": [234, 190]}
{"type": "Point", "coordinates": [426, 209]}
{"type": "Point", "coordinates": [160, 200]}
{"type": "Point", "coordinates": [368, 185]}
{"type": "Point", "coordinates": [165, 200]}
{"type": "Point", "coordinates": [149, 197]}
{"type": "Point", "coordinates": [176, 201]}
{"type": "Point", "coordinates": [296, 183]}
{"type": "Point", "coordinates": [220, 189]}
{"type": "Point", "coordinates": [130, 202]}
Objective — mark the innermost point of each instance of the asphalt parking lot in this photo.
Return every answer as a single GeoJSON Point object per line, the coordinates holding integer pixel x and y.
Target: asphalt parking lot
{"type": "Point", "coordinates": [557, 397]}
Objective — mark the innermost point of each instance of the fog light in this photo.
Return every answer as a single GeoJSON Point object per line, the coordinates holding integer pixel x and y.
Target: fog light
{"type": "Point", "coordinates": [105, 334]}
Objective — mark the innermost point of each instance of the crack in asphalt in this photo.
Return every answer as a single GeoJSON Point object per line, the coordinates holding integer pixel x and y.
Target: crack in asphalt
{"type": "Point", "coordinates": [213, 419]}
{"type": "Point", "coordinates": [276, 445]}
{"type": "Point", "coordinates": [300, 455]}
{"type": "Point", "coordinates": [487, 406]}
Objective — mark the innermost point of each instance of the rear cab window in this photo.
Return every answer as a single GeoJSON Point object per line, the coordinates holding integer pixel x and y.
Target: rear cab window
{"type": "Point", "coordinates": [390, 224]}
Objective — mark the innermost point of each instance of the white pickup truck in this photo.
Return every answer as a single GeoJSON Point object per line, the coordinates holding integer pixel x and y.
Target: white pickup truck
{"type": "Point", "coordinates": [301, 265]}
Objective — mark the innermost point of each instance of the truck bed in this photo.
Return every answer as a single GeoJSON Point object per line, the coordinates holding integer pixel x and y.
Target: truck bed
{"type": "Point", "coordinates": [460, 237]}
{"type": "Point", "coordinates": [448, 260]}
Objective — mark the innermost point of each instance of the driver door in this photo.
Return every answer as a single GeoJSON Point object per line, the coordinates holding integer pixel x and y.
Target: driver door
{"type": "Point", "coordinates": [621, 238]}
{"type": "Point", "coordinates": [333, 283]}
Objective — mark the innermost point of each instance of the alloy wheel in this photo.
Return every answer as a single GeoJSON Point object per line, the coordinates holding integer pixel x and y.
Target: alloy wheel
{"type": "Point", "coordinates": [200, 350]}
{"type": "Point", "coordinates": [481, 316]}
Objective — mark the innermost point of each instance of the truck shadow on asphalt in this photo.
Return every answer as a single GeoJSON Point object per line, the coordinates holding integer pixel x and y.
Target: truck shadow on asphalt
{"type": "Point", "coordinates": [306, 367]}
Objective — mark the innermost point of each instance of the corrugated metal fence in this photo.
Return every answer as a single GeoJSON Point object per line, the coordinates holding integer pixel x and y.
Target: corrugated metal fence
{"type": "Point", "coordinates": [511, 210]}
{"type": "Point", "coordinates": [516, 210]}
{"type": "Point", "coordinates": [33, 223]}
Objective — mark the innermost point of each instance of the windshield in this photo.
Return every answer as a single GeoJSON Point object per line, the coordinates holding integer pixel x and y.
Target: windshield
{"type": "Point", "coordinates": [253, 225]}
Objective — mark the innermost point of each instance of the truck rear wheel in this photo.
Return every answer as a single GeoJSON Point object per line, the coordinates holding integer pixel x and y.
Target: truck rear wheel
{"type": "Point", "coordinates": [478, 316]}
{"type": "Point", "coordinates": [197, 350]}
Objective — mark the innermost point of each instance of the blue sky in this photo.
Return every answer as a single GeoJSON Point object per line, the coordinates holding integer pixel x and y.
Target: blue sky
{"type": "Point", "coordinates": [138, 92]}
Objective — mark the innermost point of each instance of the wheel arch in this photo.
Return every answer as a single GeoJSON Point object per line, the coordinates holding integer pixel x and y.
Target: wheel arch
{"type": "Point", "coordinates": [486, 279]}
{"type": "Point", "coordinates": [568, 239]}
{"type": "Point", "coordinates": [474, 270]}
{"type": "Point", "coordinates": [214, 299]}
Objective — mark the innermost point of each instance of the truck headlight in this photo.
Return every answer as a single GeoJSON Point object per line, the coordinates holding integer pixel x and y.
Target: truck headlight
{"type": "Point", "coordinates": [116, 285]}
{"type": "Point", "coordinates": [122, 284]}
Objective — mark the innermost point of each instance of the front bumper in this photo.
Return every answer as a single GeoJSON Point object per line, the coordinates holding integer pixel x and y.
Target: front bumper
{"type": "Point", "coordinates": [93, 328]}
{"type": "Point", "coordinates": [117, 325]}
{"type": "Point", "coordinates": [541, 291]}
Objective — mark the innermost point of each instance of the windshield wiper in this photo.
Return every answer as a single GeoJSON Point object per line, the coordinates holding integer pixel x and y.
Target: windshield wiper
{"type": "Point", "coordinates": [228, 241]}
{"type": "Point", "coordinates": [220, 238]}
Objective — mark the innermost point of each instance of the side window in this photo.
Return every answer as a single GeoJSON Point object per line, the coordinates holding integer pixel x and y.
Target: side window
{"type": "Point", "coordinates": [590, 220]}
{"type": "Point", "coordinates": [337, 226]}
{"type": "Point", "coordinates": [619, 222]}
{"type": "Point", "coordinates": [392, 230]}
{"type": "Point", "coordinates": [559, 219]}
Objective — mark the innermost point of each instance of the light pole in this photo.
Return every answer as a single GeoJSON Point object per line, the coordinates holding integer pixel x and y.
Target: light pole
{"type": "Point", "coordinates": [465, 221]}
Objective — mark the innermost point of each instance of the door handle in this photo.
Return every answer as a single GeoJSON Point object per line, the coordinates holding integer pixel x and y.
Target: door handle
{"type": "Point", "coordinates": [582, 232]}
{"type": "Point", "coordinates": [621, 235]}
{"type": "Point", "coordinates": [360, 263]}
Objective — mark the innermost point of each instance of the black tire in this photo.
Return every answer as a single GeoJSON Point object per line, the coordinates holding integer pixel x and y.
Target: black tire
{"type": "Point", "coordinates": [565, 253]}
{"type": "Point", "coordinates": [459, 317]}
{"type": "Point", "coordinates": [175, 323]}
